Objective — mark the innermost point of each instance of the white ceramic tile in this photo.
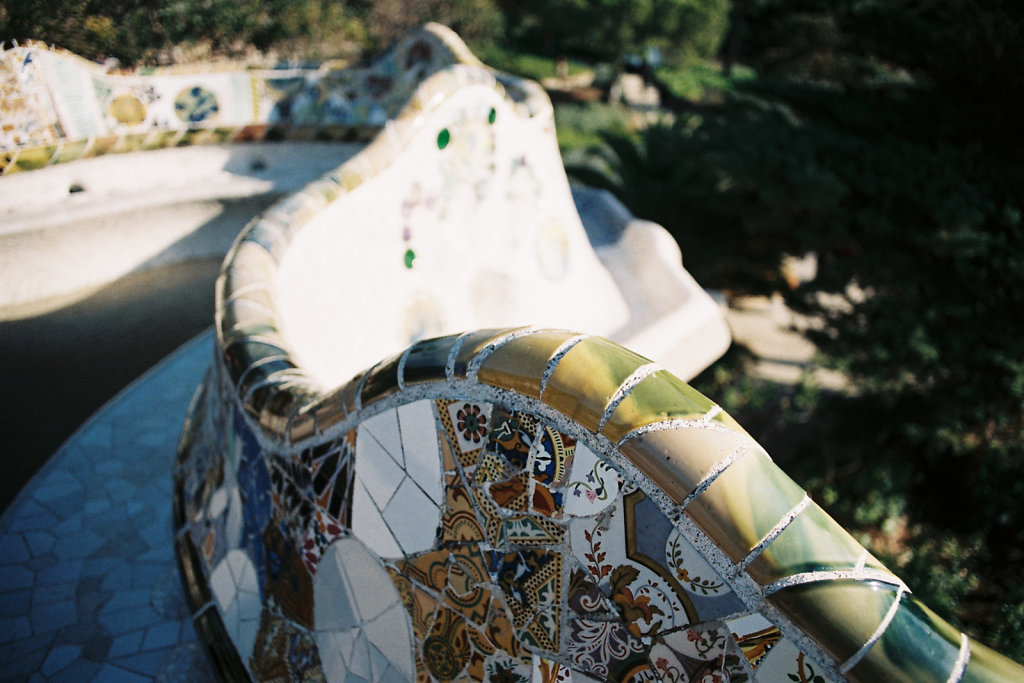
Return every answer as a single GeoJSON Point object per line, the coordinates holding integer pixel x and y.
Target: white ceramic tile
{"type": "Point", "coordinates": [592, 486]}
{"type": "Point", "coordinates": [330, 647]}
{"type": "Point", "coordinates": [223, 585]}
{"type": "Point", "coordinates": [334, 608]}
{"type": "Point", "coordinates": [359, 663]}
{"type": "Point", "coordinates": [372, 587]}
{"type": "Point", "coordinates": [385, 430]}
{"type": "Point", "coordinates": [368, 525]}
{"type": "Point", "coordinates": [377, 470]}
{"type": "Point", "coordinates": [419, 443]}
{"type": "Point", "coordinates": [690, 568]}
{"type": "Point", "coordinates": [413, 517]}
{"type": "Point", "coordinates": [391, 633]}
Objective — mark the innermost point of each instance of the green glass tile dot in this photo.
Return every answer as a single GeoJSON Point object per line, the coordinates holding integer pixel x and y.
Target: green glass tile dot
{"type": "Point", "coordinates": [744, 503]}
{"type": "Point", "coordinates": [409, 258]}
{"type": "Point", "coordinates": [443, 138]}
{"type": "Point", "coordinates": [658, 397]}
{"type": "Point", "coordinates": [840, 615]}
{"type": "Point", "coordinates": [813, 541]}
{"type": "Point", "coordinates": [917, 646]}
{"type": "Point", "coordinates": [492, 115]}
{"type": "Point", "coordinates": [678, 459]}
{"type": "Point", "coordinates": [520, 365]}
{"type": "Point", "coordinates": [587, 377]}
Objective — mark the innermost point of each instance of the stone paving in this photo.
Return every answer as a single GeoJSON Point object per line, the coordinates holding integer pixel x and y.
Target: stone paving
{"type": "Point", "coordinates": [89, 587]}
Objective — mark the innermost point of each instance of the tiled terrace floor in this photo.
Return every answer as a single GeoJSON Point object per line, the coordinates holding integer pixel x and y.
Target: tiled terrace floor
{"type": "Point", "coordinates": [89, 588]}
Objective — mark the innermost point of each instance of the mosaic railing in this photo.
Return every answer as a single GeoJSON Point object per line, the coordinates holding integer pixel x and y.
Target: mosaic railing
{"type": "Point", "coordinates": [509, 504]}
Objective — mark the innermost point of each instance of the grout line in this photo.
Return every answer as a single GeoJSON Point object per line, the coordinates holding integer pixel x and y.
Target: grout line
{"type": "Point", "coordinates": [857, 656]}
{"type": "Point", "coordinates": [957, 674]}
{"type": "Point", "coordinates": [556, 358]}
{"type": "Point", "coordinates": [640, 374]}
{"type": "Point", "coordinates": [715, 472]}
{"type": "Point", "coordinates": [782, 525]}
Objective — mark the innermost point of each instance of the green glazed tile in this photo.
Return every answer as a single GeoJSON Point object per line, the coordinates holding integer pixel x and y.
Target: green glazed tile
{"type": "Point", "coordinates": [242, 355]}
{"type": "Point", "coordinates": [70, 151]}
{"type": "Point", "coordinates": [678, 459]}
{"type": "Point", "coordinates": [988, 666]}
{"type": "Point", "coordinates": [520, 365]}
{"type": "Point", "coordinates": [473, 344]}
{"type": "Point", "coordinates": [280, 407]}
{"type": "Point", "coordinates": [813, 541]}
{"type": "Point", "coordinates": [658, 397]}
{"type": "Point", "coordinates": [587, 377]}
{"type": "Point", "coordinates": [330, 410]}
{"type": "Point", "coordinates": [426, 360]}
{"type": "Point", "coordinates": [744, 503]}
{"type": "Point", "coordinates": [261, 372]}
{"type": "Point", "coordinates": [241, 318]}
{"type": "Point", "coordinates": [726, 420]}
{"type": "Point", "coordinates": [916, 646]}
{"type": "Point", "coordinates": [841, 616]}
{"type": "Point", "coordinates": [33, 158]}
{"type": "Point", "coordinates": [381, 382]}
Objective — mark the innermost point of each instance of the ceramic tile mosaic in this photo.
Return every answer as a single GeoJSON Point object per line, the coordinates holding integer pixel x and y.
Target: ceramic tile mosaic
{"type": "Point", "coordinates": [491, 537]}
{"type": "Point", "coordinates": [505, 504]}
{"type": "Point", "coordinates": [57, 107]}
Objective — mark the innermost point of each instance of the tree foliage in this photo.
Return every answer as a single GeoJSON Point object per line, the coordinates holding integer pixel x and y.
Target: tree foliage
{"type": "Point", "coordinates": [884, 137]}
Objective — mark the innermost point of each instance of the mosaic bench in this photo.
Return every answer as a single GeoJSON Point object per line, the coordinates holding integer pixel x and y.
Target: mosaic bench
{"type": "Point", "coordinates": [514, 503]}
{"type": "Point", "coordinates": [506, 504]}
{"type": "Point", "coordinates": [131, 170]}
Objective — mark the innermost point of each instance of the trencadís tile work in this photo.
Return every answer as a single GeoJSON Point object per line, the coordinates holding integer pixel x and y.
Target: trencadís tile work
{"type": "Point", "coordinates": [58, 107]}
{"type": "Point", "coordinates": [522, 505]}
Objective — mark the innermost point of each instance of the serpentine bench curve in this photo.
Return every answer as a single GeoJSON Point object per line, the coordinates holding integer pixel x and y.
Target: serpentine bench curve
{"type": "Point", "coordinates": [505, 504]}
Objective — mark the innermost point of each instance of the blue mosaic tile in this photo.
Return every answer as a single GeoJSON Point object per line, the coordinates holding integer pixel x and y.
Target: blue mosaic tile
{"type": "Point", "coordinates": [39, 542]}
{"type": "Point", "coordinates": [112, 674]}
{"type": "Point", "coordinates": [53, 616]}
{"type": "Point", "coordinates": [77, 671]}
{"type": "Point", "coordinates": [60, 572]}
{"type": "Point", "coordinates": [127, 644]}
{"type": "Point", "coordinates": [13, 577]}
{"type": "Point", "coordinates": [59, 658]}
{"type": "Point", "coordinates": [161, 636]}
{"type": "Point", "coordinates": [78, 546]}
{"type": "Point", "coordinates": [13, 550]}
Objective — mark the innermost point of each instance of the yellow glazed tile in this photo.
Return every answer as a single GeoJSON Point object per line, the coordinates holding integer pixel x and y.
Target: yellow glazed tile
{"type": "Point", "coordinates": [473, 344]}
{"type": "Point", "coordinates": [658, 397]}
{"type": "Point", "coordinates": [744, 503]}
{"type": "Point", "coordinates": [813, 541]}
{"type": "Point", "coordinates": [916, 646]}
{"type": "Point", "coordinates": [678, 459]}
{"type": "Point", "coordinates": [520, 365]}
{"type": "Point", "coordinates": [426, 360]}
{"type": "Point", "coordinates": [839, 615]}
{"type": "Point", "coordinates": [587, 377]}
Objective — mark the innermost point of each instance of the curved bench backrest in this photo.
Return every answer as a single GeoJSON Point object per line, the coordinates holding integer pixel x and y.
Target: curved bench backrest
{"type": "Point", "coordinates": [60, 107]}
{"type": "Point", "coordinates": [458, 216]}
